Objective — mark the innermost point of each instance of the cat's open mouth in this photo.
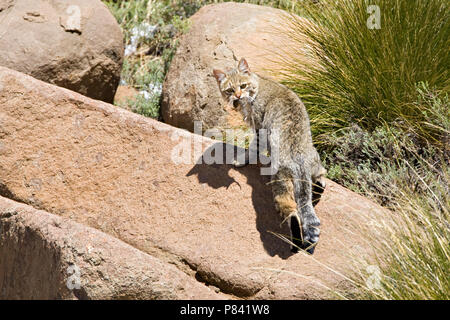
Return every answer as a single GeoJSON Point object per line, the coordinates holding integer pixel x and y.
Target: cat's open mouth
{"type": "Point", "coordinates": [236, 103]}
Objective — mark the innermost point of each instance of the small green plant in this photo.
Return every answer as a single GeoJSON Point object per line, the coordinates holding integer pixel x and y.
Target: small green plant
{"type": "Point", "coordinates": [373, 163]}
{"type": "Point", "coordinates": [151, 29]}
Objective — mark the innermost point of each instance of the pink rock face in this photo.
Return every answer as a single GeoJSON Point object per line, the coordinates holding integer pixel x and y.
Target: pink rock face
{"type": "Point", "coordinates": [112, 170]}
{"type": "Point", "coordinates": [75, 44]}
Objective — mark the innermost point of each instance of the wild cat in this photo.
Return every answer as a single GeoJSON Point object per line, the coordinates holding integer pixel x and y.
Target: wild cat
{"type": "Point", "coordinates": [300, 177]}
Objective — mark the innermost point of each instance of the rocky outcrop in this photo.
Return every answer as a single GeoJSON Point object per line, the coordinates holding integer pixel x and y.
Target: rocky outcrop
{"type": "Point", "coordinates": [219, 36]}
{"type": "Point", "coordinates": [43, 256]}
{"type": "Point", "coordinates": [76, 45]}
{"type": "Point", "coordinates": [118, 172]}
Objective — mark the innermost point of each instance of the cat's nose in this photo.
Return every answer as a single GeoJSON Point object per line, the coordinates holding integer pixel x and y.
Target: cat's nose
{"type": "Point", "coordinates": [237, 94]}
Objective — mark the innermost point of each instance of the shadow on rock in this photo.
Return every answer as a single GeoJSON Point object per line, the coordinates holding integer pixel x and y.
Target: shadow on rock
{"type": "Point", "coordinates": [217, 175]}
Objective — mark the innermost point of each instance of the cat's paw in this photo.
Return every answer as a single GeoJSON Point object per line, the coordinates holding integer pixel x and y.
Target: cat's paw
{"type": "Point", "coordinates": [311, 233]}
{"type": "Point", "coordinates": [306, 237]}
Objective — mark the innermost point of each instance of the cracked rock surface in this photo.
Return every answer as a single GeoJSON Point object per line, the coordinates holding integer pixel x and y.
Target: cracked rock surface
{"type": "Point", "coordinates": [120, 173]}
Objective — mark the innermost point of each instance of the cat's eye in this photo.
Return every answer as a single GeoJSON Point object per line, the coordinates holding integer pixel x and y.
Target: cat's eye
{"type": "Point", "coordinates": [229, 91]}
{"type": "Point", "coordinates": [243, 86]}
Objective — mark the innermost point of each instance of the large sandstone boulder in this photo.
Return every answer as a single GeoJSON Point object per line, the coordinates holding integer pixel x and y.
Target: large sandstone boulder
{"type": "Point", "coordinates": [115, 171]}
{"type": "Point", "coordinates": [221, 34]}
{"type": "Point", "coordinates": [43, 256]}
{"type": "Point", "coordinates": [73, 44]}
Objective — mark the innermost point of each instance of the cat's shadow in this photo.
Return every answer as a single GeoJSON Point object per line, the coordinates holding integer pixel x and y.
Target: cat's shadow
{"type": "Point", "coordinates": [268, 221]}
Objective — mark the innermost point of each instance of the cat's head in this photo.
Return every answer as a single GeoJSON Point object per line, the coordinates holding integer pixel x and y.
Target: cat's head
{"type": "Point", "coordinates": [238, 83]}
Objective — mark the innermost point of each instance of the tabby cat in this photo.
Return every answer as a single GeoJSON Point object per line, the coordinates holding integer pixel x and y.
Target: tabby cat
{"type": "Point", "coordinates": [298, 179]}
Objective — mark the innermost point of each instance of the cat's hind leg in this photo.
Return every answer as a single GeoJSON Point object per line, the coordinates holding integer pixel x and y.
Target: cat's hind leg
{"type": "Point", "coordinates": [283, 195]}
{"type": "Point", "coordinates": [318, 187]}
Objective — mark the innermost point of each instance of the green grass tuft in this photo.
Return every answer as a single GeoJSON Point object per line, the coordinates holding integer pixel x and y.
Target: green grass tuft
{"type": "Point", "coordinates": [369, 76]}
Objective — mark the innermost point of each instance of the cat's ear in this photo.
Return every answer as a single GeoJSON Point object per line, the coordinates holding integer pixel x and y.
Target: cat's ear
{"type": "Point", "coordinates": [243, 66]}
{"type": "Point", "coordinates": [219, 75]}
